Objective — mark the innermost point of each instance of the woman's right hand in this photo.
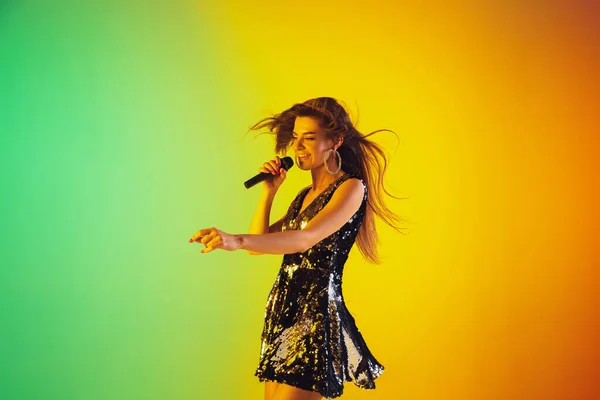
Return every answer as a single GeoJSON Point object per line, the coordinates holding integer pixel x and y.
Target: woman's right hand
{"type": "Point", "coordinates": [273, 167]}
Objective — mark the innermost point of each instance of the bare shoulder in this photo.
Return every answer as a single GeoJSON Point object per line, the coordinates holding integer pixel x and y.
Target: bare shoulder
{"type": "Point", "coordinates": [351, 187]}
{"type": "Point", "coordinates": [345, 202]}
{"type": "Point", "coordinates": [349, 194]}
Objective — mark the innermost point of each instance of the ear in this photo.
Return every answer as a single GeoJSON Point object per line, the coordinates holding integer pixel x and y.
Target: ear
{"type": "Point", "coordinates": [338, 142]}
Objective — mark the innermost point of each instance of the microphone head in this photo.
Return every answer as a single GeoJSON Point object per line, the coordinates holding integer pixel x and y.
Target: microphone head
{"type": "Point", "coordinates": [287, 163]}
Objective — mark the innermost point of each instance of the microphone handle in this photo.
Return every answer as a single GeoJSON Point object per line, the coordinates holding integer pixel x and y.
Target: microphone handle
{"type": "Point", "coordinates": [261, 176]}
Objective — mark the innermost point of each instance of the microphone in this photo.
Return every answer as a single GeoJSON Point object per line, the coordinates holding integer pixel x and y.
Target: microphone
{"type": "Point", "coordinates": [286, 163]}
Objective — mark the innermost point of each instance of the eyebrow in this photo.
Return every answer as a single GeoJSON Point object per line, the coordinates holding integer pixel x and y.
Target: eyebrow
{"type": "Point", "coordinates": [306, 133]}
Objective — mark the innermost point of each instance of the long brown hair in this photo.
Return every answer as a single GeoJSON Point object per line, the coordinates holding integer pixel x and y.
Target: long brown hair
{"type": "Point", "coordinates": [360, 156]}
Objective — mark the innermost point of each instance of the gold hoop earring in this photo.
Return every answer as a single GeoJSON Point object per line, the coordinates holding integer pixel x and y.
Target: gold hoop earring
{"type": "Point", "coordinates": [339, 161]}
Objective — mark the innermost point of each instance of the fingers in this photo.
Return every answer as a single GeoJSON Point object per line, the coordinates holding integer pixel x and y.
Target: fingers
{"type": "Point", "coordinates": [205, 239]}
{"type": "Point", "coordinates": [210, 238]}
{"type": "Point", "coordinates": [214, 243]}
{"type": "Point", "coordinates": [272, 166]}
{"type": "Point", "coordinates": [201, 233]}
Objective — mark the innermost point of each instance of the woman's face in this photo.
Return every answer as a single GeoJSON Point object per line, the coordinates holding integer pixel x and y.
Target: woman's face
{"type": "Point", "coordinates": [310, 143]}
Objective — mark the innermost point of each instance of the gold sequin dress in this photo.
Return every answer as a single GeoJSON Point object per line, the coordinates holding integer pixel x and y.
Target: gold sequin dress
{"type": "Point", "coordinates": [310, 339]}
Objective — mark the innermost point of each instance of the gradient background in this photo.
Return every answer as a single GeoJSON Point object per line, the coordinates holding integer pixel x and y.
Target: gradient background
{"type": "Point", "coordinates": [122, 133]}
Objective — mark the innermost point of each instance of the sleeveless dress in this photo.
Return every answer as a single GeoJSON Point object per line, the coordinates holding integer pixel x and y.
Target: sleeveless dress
{"type": "Point", "coordinates": [309, 339]}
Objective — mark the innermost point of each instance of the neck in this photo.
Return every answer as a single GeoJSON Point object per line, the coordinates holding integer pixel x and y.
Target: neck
{"type": "Point", "coordinates": [321, 178]}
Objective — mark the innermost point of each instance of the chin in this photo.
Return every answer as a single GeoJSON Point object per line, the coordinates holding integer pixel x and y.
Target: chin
{"type": "Point", "coordinates": [305, 165]}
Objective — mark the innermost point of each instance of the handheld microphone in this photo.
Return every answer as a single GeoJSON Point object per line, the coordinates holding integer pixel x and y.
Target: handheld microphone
{"type": "Point", "coordinates": [286, 163]}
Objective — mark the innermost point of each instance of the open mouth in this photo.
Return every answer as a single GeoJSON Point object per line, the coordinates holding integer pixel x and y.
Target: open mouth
{"type": "Point", "coordinates": [302, 156]}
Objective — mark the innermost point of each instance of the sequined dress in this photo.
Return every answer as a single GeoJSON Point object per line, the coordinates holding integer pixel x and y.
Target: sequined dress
{"type": "Point", "coordinates": [310, 340]}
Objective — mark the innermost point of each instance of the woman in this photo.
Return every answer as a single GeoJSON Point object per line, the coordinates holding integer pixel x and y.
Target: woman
{"type": "Point", "coordinates": [310, 342]}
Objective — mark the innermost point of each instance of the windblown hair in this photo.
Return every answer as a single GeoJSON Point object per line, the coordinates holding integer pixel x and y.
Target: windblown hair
{"type": "Point", "coordinates": [360, 156]}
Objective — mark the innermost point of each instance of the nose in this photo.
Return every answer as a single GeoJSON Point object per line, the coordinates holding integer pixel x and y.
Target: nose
{"type": "Point", "coordinates": [299, 143]}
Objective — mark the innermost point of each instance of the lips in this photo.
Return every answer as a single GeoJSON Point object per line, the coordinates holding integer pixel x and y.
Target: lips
{"type": "Point", "coordinates": [302, 156]}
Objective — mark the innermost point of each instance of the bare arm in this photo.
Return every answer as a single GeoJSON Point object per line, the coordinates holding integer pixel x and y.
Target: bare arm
{"type": "Point", "coordinates": [343, 204]}
{"type": "Point", "coordinates": [260, 221]}
{"type": "Point", "coordinates": [262, 215]}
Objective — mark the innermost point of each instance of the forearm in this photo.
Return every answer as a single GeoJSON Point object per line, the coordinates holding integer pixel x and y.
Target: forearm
{"type": "Point", "coordinates": [287, 242]}
{"type": "Point", "coordinates": [260, 221]}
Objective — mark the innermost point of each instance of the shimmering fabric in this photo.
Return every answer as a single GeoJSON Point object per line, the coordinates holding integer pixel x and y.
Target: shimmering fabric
{"type": "Point", "coordinates": [310, 340]}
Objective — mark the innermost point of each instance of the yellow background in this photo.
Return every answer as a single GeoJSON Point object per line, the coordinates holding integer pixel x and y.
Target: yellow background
{"type": "Point", "coordinates": [123, 132]}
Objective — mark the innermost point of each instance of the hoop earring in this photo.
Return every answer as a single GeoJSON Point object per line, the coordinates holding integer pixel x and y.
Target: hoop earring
{"type": "Point", "coordinates": [339, 161]}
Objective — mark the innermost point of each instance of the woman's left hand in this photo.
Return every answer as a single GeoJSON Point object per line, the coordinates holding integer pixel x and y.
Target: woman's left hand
{"type": "Point", "coordinates": [213, 238]}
